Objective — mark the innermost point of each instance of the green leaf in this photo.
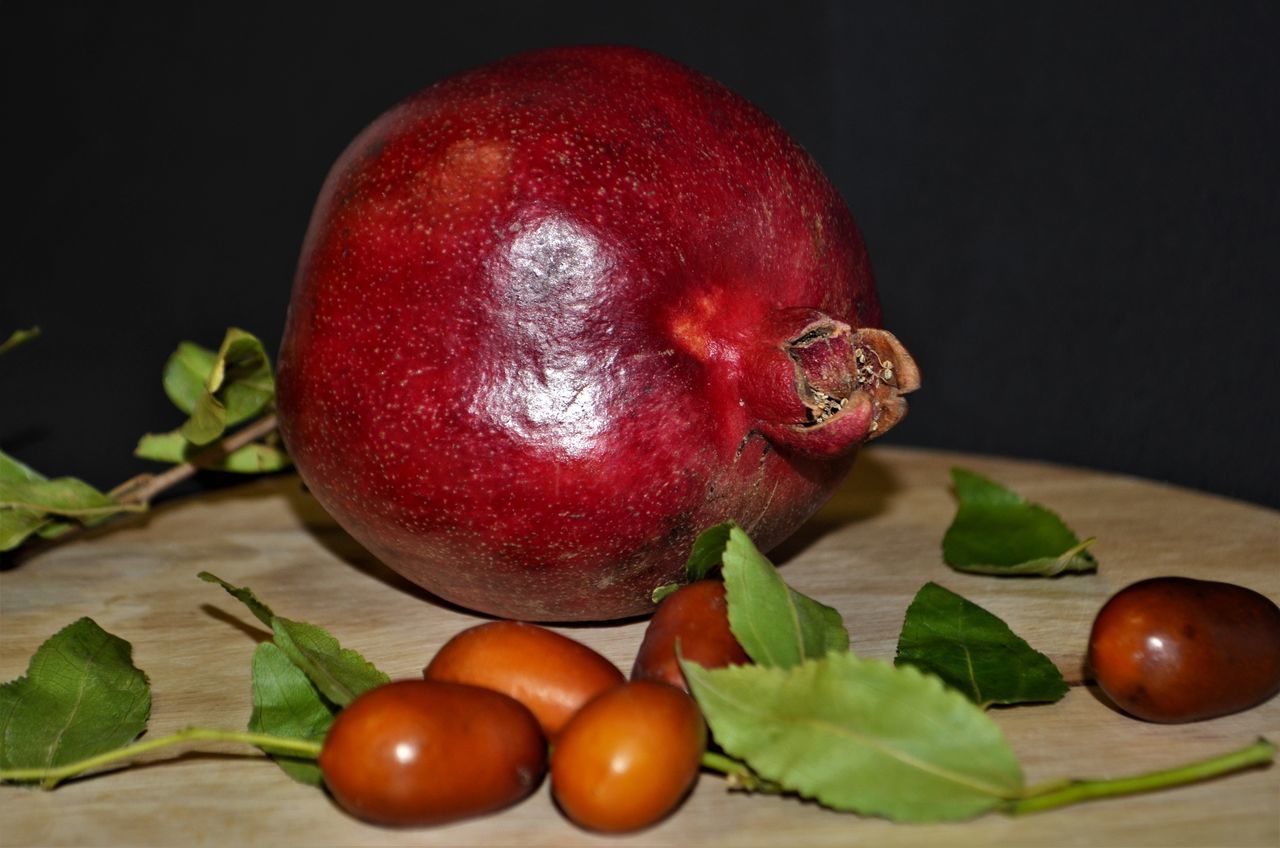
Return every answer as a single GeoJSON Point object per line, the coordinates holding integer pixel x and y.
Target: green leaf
{"type": "Point", "coordinates": [974, 651]}
{"type": "Point", "coordinates": [860, 735]}
{"type": "Point", "coordinates": [239, 387]}
{"type": "Point", "coordinates": [81, 696]}
{"type": "Point", "coordinates": [704, 558]}
{"type": "Point", "coordinates": [16, 525]}
{"type": "Point", "coordinates": [30, 503]}
{"type": "Point", "coordinates": [340, 674]}
{"type": "Point", "coordinates": [186, 373]}
{"type": "Point", "coordinates": [776, 625]}
{"type": "Point", "coordinates": [253, 458]}
{"type": "Point", "coordinates": [18, 337]}
{"type": "Point", "coordinates": [13, 471]}
{"type": "Point", "coordinates": [286, 703]}
{"type": "Point", "coordinates": [708, 551]}
{"type": "Point", "coordinates": [997, 531]}
{"type": "Point", "coordinates": [244, 595]}
{"type": "Point", "coordinates": [62, 496]}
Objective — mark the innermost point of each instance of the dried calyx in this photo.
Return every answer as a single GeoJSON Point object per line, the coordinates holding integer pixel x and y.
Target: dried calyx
{"type": "Point", "coordinates": [827, 387]}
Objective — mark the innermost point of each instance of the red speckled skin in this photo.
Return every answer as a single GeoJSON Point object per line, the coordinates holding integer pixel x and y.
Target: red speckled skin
{"type": "Point", "coordinates": [513, 366]}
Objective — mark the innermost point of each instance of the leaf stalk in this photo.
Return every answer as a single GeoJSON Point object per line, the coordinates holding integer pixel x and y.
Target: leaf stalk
{"type": "Point", "coordinates": [51, 776]}
{"type": "Point", "coordinates": [1059, 794]}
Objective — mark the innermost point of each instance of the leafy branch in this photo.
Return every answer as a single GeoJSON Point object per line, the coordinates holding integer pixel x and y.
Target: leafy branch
{"type": "Point", "coordinates": [228, 396]}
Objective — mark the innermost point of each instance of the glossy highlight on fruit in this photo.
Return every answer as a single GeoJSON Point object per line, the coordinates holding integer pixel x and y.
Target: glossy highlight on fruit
{"type": "Point", "coordinates": [555, 315]}
{"type": "Point", "coordinates": [1174, 649]}
{"type": "Point", "coordinates": [417, 752]}
{"type": "Point", "coordinates": [697, 616]}
{"type": "Point", "coordinates": [551, 674]}
{"type": "Point", "coordinates": [628, 758]}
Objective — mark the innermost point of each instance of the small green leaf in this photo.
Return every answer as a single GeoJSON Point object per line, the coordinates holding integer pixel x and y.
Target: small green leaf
{"type": "Point", "coordinates": [13, 471]}
{"type": "Point", "coordinates": [776, 625]}
{"type": "Point", "coordinates": [708, 551]}
{"type": "Point", "coordinates": [997, 531]}
{"type": "Point", "coordinates": [974, 651]}
{"type": "Point", "coordinates": [253, 458]}
{"type": "Point", "coordinates": [18, 337]}
{"type": "Point", "coordinates": [340, 674]}
{"type": "Point", "coordinates": [16, 525]}
{"type": "Point", "coordinates": [30, 503]}
{"type": "Point", "coordinates": [244, 595]}
{"type": "Point", "coordinates": [860, 735]}
{"type": "Point", "coordinates": [81, 696]}
{"type": "Point", "coordinates": [704, 558]}
{"type": "Point", "coordinates": [186, 373]}
{"type": "Point", "coordinates": [62, 496]}
{"type": "Point", "coordinates": [286, 703]}
{"type": "Point", "coordinates": [239, 387]}
{"type": "Point", "coordinates": [658, 594]}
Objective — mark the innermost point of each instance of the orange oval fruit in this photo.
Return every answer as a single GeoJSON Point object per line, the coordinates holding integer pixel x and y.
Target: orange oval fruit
{"type": "Point", "coordinates": [550, 674]}
{"type": "Point", "coordinates": [628, 758]}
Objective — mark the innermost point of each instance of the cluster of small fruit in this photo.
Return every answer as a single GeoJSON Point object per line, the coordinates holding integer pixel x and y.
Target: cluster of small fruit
{"type": "Point", "coordinates": [472, 736]}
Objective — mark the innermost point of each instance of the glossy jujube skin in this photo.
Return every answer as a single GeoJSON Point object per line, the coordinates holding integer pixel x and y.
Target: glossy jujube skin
{"type": "Point", "coordinates": [418, 752]}
{"type": "Point", "coordinates": [629, 757]}
{"type": "Point", "coordinates": [551, 674]}
{"type": "Point", "coordinates": [556, 315]}
{"type": "Point", "coordinates": [1174, 649]}
{"type": "Point", "coordinates": [697, 616]}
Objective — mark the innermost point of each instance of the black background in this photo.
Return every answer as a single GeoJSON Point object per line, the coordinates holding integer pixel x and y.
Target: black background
{"type": "Point", "coordinates": [1073, 209]}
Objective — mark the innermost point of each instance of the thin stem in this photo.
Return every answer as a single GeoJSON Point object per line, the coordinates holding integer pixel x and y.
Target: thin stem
{"type": "Point", "coordinates": [1058, 794]}
{"type": "Point", "coordinates": [52, 775]}
{"type": "Point", "coordinates": [136, 493]}
{"type": "Point", "coordinates": [738, 774]}
{"type": "Point", "coordinates": [145, 487]}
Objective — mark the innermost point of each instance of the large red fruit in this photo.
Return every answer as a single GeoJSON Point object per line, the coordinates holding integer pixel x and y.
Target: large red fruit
{"type": "Point", "coordinates": [556, 315]}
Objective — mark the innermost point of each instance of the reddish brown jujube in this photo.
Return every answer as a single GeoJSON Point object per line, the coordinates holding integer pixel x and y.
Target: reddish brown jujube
{"type": "Point", "coordinates": [1173, 649]}
{"type": "Point", "coordinates": [697, 618]}
{"type": "Point", "coordinates": [556, 315]}
{"type": "Point", "coordinates": [550, 674]}
{"type": "Point", "coordinates": [421, 752]}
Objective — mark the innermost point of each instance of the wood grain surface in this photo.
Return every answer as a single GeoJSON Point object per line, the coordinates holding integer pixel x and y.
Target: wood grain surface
{"type": "Point", "coordinates": [866, 553]}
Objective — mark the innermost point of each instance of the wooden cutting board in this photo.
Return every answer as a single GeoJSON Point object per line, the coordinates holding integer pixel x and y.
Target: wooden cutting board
{"type": "Point", "coordinates": [866, 553]}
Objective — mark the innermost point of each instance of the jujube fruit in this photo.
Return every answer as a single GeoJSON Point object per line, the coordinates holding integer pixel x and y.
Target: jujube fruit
{"type": "Point", "coordinates": [1174, 649]}
{"type": "Point", "coordinates": [697, 616]}
{"type": "Point", "coordinates": [628, 758]}
{"type": "Point", "coordinates": [555, 316]}
{"type": "Point", "coordinates": [418, 752]}
{"type": "Point", "coordinates": [550, 674]}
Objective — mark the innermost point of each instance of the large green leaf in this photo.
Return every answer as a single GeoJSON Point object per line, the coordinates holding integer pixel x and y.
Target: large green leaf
{"type": "Point", "coordinates": [82, 695]}
{"type": "Point", "coordinates": [775, 624]}
{"type": "Point", "coordinates": [286, 703]}
{"type": "Point", "coordinates": [997, 531]}
{"type": "Point", "coordinates": [860, 735]}
{"type": "Point", "coordinates": [974, 651]}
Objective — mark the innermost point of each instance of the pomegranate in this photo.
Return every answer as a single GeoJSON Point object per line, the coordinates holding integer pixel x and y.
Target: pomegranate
{"type": "Point", "coordinates": [556, 315]}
